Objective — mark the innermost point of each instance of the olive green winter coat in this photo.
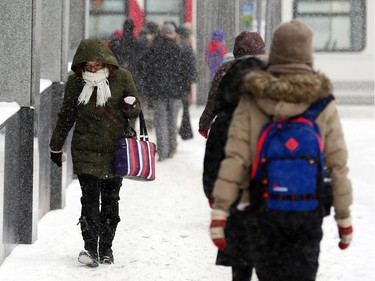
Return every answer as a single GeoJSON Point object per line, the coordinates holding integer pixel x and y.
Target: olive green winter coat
{"type": "Point", "coordinates": [94, 132]}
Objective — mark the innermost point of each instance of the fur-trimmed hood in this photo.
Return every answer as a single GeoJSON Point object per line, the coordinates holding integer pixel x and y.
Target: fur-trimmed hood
{"type": "Point", "coordinates": [285, 95]}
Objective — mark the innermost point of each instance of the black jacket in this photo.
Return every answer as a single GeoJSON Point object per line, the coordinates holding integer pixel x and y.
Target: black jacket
{"type": "Point", "coordinates": [225, 103]}
{"type": "Point", "coordinates": [161, 70]}
{"type": "Point", "coordinates": [239, 223]}
{"type": "Point", "coordinates": [128, 51]}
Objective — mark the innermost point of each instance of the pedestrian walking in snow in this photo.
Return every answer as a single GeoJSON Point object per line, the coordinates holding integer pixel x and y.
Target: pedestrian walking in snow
{"type": "Point", "coordinates": [162, 66]}
{"type": "Point", "coordinates": [246, 44]}
{"type": "Point", "coordinates": [189, 70]}
{"type": "Point", "coordinates": [222, 100]}
{"type": "Point", "coordinates": [146, 38]}
{"type": "Point", "coordinates": [215, 52]}
{"type": "Point", "coordinates": [286, 239]}
{"type": "Point", "coordinates": [127, 49]}
{"type": "Point", "coordinates": [99, 97]}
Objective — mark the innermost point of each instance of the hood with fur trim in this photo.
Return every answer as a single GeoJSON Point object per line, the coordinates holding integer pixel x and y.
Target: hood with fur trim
{"type": "Point", "coordinates": [285, 95]}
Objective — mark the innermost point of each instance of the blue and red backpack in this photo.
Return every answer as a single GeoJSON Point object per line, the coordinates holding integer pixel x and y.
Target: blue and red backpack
{"type": "Point", "coordinates": [288, 173]}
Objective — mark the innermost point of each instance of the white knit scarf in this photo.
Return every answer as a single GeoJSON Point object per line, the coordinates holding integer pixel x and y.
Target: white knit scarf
{"type": "Point", "coordinates": [99, 80]}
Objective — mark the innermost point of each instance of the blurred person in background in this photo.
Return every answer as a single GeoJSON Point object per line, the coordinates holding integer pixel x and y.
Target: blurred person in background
{"type": "Point", "coordinates": [146, 38]}
{"type": "Point", "coordinates": [162, 71]}
{"type": "Point", "coordinates": [189, 68]}
{"type": "Point", "coordinates": [215, 52]}
{"type": "Point", "coordinates": [127, 49]}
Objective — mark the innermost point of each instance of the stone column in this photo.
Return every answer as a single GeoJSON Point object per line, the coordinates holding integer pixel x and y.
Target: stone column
{"type": "Point", "coordinates": [20, 51]}
{"type": "Point", "coordinates": [20, 28]}
{"type": "Point", "coordinates": [78, 27]}
{"type": "Point", "coordinates": [54, 41]}
{"type": "Point", "coordinates": [55, 67]}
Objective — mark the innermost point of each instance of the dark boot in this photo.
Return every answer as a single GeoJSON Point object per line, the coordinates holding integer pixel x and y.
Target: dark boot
{"type": "Point", "coordinates": [107, 234]}
{"type": "Point", "coordinates": [241, 273]}
{"type": "Point", "coordinates": [109, 218]}
{"type": "Point", "coordinates": [89, 259]}
{"type": "Point", "coordinates": [89, 231]}
{"type": "Point", "coordinates": [90, 213]}
{"type": "Point", "coordinates": [90, 234]}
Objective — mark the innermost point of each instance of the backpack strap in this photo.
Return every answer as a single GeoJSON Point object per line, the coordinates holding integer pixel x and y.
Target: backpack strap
{"type": "Point", "coordinates": [317, 107]}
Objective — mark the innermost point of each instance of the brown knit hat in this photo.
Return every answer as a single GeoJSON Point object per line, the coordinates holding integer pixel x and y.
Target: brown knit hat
{"type": "Point", "coordinates": [248, 43]}
{"type": "Point", "coordinates": [292, 43]}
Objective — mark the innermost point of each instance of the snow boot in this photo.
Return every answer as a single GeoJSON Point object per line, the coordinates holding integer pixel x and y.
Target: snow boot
{"type": "Point", "coordinates": [88, 258]}
{"type": "Point", "coordinates": [90, 236]}
{"type": "Point", "coordinates": [106, 236]}
{"type": "Point", "coordinates": [107, 258]}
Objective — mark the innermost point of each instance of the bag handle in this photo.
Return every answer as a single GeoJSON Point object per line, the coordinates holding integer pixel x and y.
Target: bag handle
{"type": "Point", "coordinates": [114, 119]}
{"type": "Point", "coordinates": [143, 135]}
{"type": "Point", "coordinates": [142, 124]}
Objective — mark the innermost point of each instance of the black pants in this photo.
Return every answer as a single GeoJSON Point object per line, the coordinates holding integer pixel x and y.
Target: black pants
{"type": "Point", "coordinates": [100, 212]}
{"type": "Point", "coordinates": [241, 274]}
{"type": "Point", "coordinates": [287, 246]}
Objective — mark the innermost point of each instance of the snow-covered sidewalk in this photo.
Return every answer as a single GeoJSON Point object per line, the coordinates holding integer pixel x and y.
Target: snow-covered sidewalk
{"type": "Point", "coordinates": [163, 233]}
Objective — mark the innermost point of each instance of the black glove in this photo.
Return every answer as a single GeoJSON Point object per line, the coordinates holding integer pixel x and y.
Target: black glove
{"type": "Point", "coordinates": [57, 158]}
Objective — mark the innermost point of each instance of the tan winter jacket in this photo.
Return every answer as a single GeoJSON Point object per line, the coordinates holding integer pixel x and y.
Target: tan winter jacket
{"type": "Point", "coordinates": [265, 95]}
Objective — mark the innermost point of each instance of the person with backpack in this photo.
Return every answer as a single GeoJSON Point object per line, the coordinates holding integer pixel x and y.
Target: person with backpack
{"type": "Point", "coordinates": [284, 131]}
{"type": "Point", "coordinates": [222, 101]}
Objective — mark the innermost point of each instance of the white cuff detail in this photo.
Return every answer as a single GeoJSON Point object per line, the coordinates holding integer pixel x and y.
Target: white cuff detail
{"type": "Point", "coordinates": [242, 206]}
{"type": "Point", "coordinates": [344, 222]}
{"type": "Point", "coordinates": [130, 100]}
{"type": "Point", "coordinates": [218, 215]}
{"type": "Point", "coordinates": [217, 232]}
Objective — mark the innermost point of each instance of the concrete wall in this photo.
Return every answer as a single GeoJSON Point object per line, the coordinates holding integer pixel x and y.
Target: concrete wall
{"type": "Point", "coordinates": [20, 31]}
{"type": "Point", "coordinates": [78, 24]}
{"type": "Point", "coordinates": [35, 44]}
{"type": "Point", "coordinates": [54, 40]}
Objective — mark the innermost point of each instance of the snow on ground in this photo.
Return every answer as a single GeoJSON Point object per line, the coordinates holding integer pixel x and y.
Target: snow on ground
{"type": "Point", "coordinates": [7, 109]}
{"type": "Point", "coordinates": [163, 233]}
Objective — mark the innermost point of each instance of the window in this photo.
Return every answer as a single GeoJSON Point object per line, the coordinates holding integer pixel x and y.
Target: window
{"type": "Point", "coordinates": [108, 5]}
{"type": "Point", "coordinates": [163, 6]}
{"type": "Point", "coordinates": [339, 25]}
{"type": "Point", "coordinates": [166, 10]}
{"type": "Point", "coordinates": [106, 16]}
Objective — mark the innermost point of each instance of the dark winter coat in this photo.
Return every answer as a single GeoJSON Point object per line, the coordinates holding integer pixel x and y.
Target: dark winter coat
{"type": "Point", "coordinates": [225, 103]}
{"type": "Point", "coordinates": [235, 254]}
{"type": "Point", "coordinates": [188, 67]}
{"type": "Point", "coordinates": [128, 51]}
{"type": "Point", "coordinates": [189, 75]}
{"type": "Point", "coordinates": [161, 70]}
{"type": "Point", "coordinates": [208, 113]}
{"type": "Point", "coordinates": [94, 132]}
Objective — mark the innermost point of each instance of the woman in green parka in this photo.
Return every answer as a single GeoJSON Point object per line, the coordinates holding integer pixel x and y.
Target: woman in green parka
{"type": "Point", "coordinates": [99, 97]}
